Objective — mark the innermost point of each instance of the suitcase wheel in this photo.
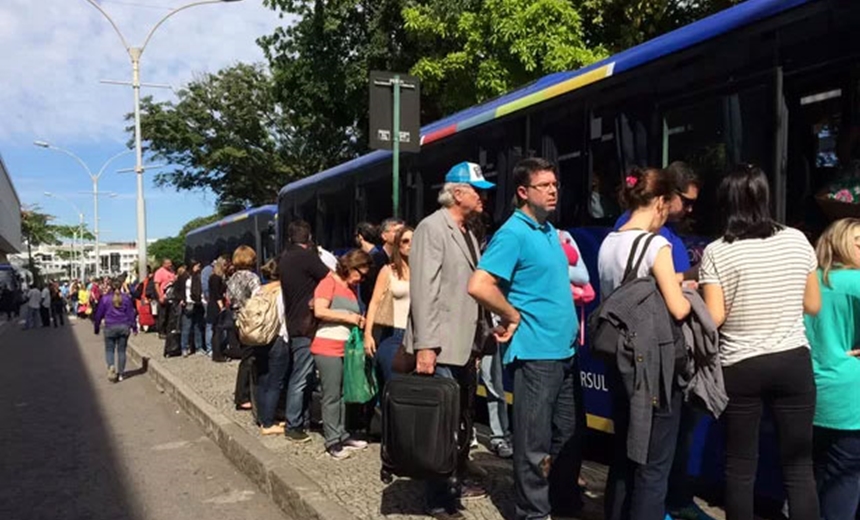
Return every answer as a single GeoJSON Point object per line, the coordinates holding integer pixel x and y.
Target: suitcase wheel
{"type": "Point", "coordinates": [385, 476]}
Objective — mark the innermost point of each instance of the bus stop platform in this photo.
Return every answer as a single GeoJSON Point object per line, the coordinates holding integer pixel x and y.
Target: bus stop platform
{"type": "Point", "coordinates": [304, 481]}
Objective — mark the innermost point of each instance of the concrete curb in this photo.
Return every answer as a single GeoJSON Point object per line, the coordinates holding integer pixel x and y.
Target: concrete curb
{"type": "Point", "coordinates": [292, 490]}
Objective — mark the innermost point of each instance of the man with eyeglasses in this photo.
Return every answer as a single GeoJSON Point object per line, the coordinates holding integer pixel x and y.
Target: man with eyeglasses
{"type": "Point", "coordinates": [523, 278]}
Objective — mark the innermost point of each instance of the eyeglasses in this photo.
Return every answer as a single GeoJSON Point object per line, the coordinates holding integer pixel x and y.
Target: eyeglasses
{"type": "Point", "coordinates": [545, 186]}
{"type": "Point", "coordinates": [686, 202]}
{"type": "Point", "coordinates": [362, 274]}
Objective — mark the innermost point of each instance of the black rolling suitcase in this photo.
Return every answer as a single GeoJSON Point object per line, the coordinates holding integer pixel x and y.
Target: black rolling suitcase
{"type": "Point", "coordinates": [420, 424]}
{"type": "Point", "coordinates": [172, 331]}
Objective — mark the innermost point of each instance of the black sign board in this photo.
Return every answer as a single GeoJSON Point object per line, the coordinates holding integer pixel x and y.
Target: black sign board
{"type": "Point", "coordinates": [382, 111]}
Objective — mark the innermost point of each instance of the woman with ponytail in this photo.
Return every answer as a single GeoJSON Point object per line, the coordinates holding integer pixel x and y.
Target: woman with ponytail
{"type": "Point", "coordinates": [116, 308]}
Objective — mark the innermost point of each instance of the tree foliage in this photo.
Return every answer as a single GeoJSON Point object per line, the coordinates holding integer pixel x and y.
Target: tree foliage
{"type": "Point", "coordinates": [36, 227]}
{"type": "Point", "coordinates": [245, 131]}
{"type": "Point", "coordinates": [174, 247]}
{"type": "Point", "coordinates": [169, 247]}
{"type": "Point", "coordinates": [226, 133]}
{"type": "Point", "coordinates": [621, 24]}
{"type": "Point", "coordinates": [489, 47]}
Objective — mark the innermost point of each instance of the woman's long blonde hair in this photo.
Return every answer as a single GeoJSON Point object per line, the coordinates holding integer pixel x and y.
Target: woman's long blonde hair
{"type": "Point", "coordinates": [836, 247]}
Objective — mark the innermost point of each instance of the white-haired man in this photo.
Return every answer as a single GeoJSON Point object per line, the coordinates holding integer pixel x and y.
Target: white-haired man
{"type": "Point", "coordinates": [443, 318]}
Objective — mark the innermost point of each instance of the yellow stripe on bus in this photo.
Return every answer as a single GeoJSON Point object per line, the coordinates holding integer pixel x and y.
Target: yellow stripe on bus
{"type": "Point", "coordinates": [595, 422]}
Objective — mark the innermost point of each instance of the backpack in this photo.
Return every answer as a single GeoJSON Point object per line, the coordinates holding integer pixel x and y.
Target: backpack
{"type": "Point", "coordinates": [258, 322]}
{"type": "Point", "coordinates": [606, 335]}
{"type": "Point", "coordinates": [149, 289]}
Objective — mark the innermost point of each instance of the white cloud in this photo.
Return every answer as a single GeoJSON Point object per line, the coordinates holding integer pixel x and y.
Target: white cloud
{"type": "Point", "coordinates": [56, 51]}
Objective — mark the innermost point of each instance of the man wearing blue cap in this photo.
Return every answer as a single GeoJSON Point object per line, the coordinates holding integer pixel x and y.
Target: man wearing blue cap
{"type": "Point", "coordinates": [444, 320]}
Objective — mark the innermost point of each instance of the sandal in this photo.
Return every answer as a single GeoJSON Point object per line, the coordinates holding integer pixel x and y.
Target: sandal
{"type": "Point", "coordinates": [272, 430]}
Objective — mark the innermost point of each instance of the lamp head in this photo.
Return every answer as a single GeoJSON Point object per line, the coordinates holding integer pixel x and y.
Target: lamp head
{"type": "Point", "coordinates": [49, 194]}
{"type": "Point", "coordinates": [42, 144]}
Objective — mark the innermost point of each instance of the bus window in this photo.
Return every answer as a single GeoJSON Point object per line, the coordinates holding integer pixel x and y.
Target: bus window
{"type": "Point", "coordinates": [713, 134]}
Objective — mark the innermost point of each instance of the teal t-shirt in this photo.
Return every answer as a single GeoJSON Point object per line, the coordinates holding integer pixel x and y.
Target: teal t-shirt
{"type": "Point", "coordinates": [832, 333]}
{"type": "Point", "coordinates": [531, 266]}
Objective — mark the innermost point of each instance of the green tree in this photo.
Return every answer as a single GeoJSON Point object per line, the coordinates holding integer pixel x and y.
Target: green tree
{"type": "Point", "coordinates": [621, 24]}
{"type": "Point", "coordinates": [490, 47]}
{"type": "Point", "coordinates": [226, 133]}
{"type": "Point", "coordinates": [37, 229]}
{"type": "Point", "coordinates": [169, 247]}
{"type": "Point", "coordinates": [321, 64]}
{"type": "Point", "coordinates": [174, 247]}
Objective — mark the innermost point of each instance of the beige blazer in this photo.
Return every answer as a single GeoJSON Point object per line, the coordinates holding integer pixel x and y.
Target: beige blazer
{"type": "Point", "coordinates": [442, 314]}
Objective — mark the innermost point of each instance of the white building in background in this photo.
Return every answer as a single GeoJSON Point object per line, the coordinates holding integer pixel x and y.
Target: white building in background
{"type": "Point", "coordinates": [56, 262]}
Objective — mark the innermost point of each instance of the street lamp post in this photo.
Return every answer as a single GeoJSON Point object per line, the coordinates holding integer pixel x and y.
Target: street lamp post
{"type": "Point", "coordinates": [78, 234]}
{"type": "Point", "coordinates": [135, 53]}
{"type": "Point", "coordinates": [95, 179]}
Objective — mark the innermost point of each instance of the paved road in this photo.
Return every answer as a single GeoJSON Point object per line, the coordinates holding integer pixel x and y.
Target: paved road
{"type": "Point", "coordinates": [74, 446]}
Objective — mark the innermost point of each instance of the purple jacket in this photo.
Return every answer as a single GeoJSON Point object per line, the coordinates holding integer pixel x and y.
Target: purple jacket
{"type": "Point", "coordinates": [124, 315]}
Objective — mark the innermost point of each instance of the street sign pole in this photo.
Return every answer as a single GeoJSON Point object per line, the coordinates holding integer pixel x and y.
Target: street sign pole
{"type": "Point", "coordinates": [395, 162]}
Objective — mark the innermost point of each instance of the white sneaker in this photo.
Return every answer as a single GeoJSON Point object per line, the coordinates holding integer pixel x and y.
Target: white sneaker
{"type": "Point", "coordinates": [337, 452]}
{"type": "Point", "coordinates": [112, 374]}
{"type": "Point", "coordinates": [354, 444]}
{"type": "Point", "coordinates": [119, 377]}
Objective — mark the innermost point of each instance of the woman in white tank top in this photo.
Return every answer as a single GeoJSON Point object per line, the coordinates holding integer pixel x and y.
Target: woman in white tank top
{"type": "Point", "coordinates": [393, 277]}
{"type": "Point", "coordinates": [638, 491]}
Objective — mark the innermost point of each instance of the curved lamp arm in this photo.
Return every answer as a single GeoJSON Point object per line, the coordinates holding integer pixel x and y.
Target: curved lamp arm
{"type": "Point", "coordinates": [105, 165]}
{"type": "Point", "coordinates": [109, 19]}
{"type": "Point", "coordinates": [73, 156]}
{"type": "Point", "coordinates": [171, 13]}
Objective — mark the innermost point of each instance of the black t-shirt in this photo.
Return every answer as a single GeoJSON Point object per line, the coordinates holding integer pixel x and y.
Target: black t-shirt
{"type": "Point", "coordinates": [380, 260]}
{"type": "Point", "coordinates": [300, 270]}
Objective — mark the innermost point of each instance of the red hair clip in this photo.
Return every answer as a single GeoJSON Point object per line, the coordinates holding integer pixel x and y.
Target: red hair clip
{"type": "Point", "coordinates": [631, 181]}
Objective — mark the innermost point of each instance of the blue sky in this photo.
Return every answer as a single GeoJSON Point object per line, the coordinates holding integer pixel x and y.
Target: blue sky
{"type": "Point", "coordinates": [60, 49]}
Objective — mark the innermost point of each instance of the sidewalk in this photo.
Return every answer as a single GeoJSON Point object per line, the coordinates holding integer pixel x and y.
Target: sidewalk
{"type": "Point", "coordinates": [302, 479]}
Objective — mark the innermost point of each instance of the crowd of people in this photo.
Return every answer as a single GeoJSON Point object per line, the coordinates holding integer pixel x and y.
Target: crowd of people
{"type": "Point", "coordinates": [765, 320]}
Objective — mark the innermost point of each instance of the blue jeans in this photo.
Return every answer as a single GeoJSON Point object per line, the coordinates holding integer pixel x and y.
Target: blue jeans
{"type": "Point", "coordinates": [385, 350]}
{"type": "Point", "coordinates": [116, 339]}
{"type": "Point", "coordinates": [208, 338]}
{"type": "Point", "coordinates": [837, 472]}
{"type": "Point", "coordinates": [301, 385]}
{"type": "Point", "coordinates": [492, 374]}
{"type": "Point", "coordinates": [191, 320]}
{"type": "Point", "coordinates": [272, 363]}
{"type": "Point", "coordinates": [33, 318]}
{"type": "Point", "coordinates": [638, 491]}
{"type": "Point", "coordinates": [545, 440]}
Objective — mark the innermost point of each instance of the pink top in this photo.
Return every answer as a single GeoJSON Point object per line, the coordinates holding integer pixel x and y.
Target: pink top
{"type": "Point", "coordinates": [163, 277]}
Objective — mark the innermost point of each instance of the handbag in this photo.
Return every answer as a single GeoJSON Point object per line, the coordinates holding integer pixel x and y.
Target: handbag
{"type": "Point", "coordinates": [359, 378]}
{"type": "Point", "coordinates": [385, 312]}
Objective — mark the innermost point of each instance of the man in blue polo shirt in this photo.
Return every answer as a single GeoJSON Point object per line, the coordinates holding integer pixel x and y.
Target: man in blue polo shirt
{"type": "Point", "coordinates": [523, 277]}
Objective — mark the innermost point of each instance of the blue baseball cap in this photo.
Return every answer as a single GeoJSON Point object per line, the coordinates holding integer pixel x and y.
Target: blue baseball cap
{"type": "Point", "coordinates": [468, 173]}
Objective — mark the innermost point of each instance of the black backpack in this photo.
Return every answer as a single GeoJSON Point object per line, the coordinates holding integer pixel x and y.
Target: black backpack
{"type": "Point", "coordinates": [150, 292]}
{"type": "Point", "coordinates": [605, 335]}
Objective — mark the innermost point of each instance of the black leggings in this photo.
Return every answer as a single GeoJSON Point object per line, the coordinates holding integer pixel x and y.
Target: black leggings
{"type": "Point", "coordinates": [784, 382]}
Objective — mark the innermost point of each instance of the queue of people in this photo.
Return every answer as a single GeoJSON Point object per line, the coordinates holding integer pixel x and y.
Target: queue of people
{"type": "Point", "coordinates": [764, 320]}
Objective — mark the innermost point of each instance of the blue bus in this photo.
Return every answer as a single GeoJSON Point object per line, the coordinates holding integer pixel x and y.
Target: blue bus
{"type": "Point", "coordinates": [772, 82]}
{"type": "Point", "coordinates": [255, 227]}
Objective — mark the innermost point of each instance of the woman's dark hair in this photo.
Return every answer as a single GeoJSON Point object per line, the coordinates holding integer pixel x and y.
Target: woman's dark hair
{"type": "Point", "coordinates": [354, 259]}
{"type": "Point", "coordinates": [398, 261]}
{"type": "Point", "coordinates": [642, 185]}
{"type": "Point", "coordinates": [744, 198]}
